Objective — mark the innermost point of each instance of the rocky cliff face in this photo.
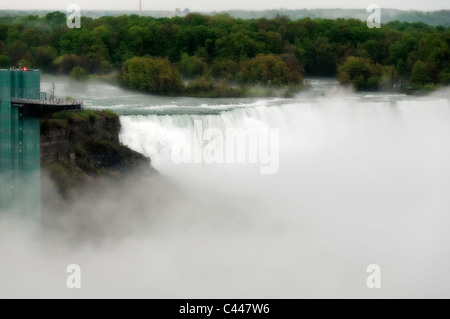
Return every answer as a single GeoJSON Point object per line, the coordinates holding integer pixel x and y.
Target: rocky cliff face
{"type": "Point", "coordinates": [76, 147]}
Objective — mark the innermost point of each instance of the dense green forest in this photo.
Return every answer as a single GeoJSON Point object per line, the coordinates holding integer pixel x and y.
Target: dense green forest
{"type": "Point", "coordinates": [221, 55]}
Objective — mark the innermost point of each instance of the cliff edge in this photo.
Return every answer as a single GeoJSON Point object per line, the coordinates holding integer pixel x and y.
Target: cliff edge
{"type": "Point", "coordinates": [77, 147]}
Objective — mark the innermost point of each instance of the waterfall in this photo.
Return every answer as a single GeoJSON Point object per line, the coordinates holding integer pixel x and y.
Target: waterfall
{"type": "Point", "coordinates": [304, 126]}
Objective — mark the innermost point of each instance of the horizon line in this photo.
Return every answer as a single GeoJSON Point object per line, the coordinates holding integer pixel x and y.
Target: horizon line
{"type": "Point", "coordinates": [225, 10]}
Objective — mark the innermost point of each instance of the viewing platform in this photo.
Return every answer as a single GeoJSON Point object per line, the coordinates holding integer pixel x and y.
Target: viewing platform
{"type": "Point", "coordinates": [21, 105]}
{"type": "Point", "coordinates": [36, 108]}
{"type": "Point", "coordinates": [44, 105]}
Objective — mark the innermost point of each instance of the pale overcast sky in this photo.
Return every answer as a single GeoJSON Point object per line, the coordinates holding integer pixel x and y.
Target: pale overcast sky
{"type": "Point", "coordinates": [210, 5]}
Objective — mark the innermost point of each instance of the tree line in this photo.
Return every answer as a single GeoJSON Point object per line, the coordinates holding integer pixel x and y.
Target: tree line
{"type": "Point", "coordinates": [219, 54]}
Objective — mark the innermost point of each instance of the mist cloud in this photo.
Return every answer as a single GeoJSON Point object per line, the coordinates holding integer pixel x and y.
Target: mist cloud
{"type": "Point", "coordinates": [359, 183]}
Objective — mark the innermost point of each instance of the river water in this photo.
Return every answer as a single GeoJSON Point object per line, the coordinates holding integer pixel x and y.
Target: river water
{"type": "Point", "coordinates": [356, 179]}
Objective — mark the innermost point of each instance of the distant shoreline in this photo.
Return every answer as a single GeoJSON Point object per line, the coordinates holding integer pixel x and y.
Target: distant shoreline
{"type": "Point", "coordinates": [430, 17]}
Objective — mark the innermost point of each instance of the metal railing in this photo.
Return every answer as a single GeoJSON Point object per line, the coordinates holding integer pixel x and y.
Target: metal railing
{"type": "Point", "coordinates": [48, 102]}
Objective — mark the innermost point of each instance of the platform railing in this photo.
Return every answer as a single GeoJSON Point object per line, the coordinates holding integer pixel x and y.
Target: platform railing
{"type": "Point", "coordinates": [56, 101]}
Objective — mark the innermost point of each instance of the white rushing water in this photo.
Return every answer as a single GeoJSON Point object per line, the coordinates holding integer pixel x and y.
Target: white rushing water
{"type": "Point", "coordinates": [363, 179]}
